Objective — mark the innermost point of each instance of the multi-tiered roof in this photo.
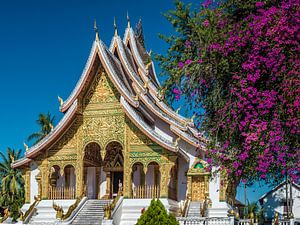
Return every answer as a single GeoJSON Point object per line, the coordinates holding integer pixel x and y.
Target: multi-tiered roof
{"type": "Point", "coordinates": [129, 67]}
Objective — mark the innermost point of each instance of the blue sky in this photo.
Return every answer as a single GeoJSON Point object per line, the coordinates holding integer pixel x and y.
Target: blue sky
{"type": "Point", "coordinates": [44, 46]}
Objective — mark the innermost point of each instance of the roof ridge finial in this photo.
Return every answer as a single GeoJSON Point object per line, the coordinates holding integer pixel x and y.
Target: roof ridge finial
{"type": "Point", "coordinates": [115, 27]}
{"type": "Point", "coordinates": [96, 30]}
{"type": "Point", "coordinates": [128, 20]}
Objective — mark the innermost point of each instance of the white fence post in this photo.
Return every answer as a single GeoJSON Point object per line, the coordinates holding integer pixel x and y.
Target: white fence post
{"type": "Point", "coordinates": [231, 220]}
{"type": "Point", "coordinates": [292, 221]}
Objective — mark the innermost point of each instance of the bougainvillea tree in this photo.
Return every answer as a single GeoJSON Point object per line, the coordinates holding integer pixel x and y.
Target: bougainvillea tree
{"type": "Point", "coordinates": [237, 65]}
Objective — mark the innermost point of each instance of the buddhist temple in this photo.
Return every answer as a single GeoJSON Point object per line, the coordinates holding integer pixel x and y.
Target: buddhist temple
{"type": "Point", "coordinates": [118, 137]}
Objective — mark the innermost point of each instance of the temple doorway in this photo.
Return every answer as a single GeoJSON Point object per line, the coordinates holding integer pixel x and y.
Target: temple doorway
{"type": "Point", "coordinates": [117, 180]}
{"type": "Point", "coordinates": [114, 169]}
{"type": "Point", "coordinates": [92, 161]}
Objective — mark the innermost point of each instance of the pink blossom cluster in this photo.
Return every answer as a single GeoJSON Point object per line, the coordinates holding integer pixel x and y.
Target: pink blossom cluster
{"type": "Point", "coordinates": [264, 103]}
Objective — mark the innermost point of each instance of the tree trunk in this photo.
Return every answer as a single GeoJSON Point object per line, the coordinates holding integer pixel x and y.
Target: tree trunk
{"type": "Point", "coordinates": [231, 189]}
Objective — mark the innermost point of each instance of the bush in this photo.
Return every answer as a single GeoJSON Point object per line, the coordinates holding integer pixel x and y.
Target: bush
{"type": "Point", "coordinates": [156, 214]}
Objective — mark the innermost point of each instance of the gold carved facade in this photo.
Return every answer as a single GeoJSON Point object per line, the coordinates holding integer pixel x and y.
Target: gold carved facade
{"type": "Point", "coordinates": [198, 181]}
{"type": "Point", "coordinates": [101, 120]}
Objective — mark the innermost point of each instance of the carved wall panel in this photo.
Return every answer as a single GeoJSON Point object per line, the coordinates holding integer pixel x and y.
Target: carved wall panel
{"type": "Point", "coordinates": [101, 91]}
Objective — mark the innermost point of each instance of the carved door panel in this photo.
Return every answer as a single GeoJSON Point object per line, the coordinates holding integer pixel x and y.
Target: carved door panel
{"type": "Point", "coordinates": [198, 188]}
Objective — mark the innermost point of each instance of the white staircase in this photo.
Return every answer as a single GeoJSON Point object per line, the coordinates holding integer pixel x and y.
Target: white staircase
{"type": "Point", "coordinates": [45, 214]}
{"type": "Point", "coordinates": [92, 213]}
{"type": "Point", "coordinates": [194, 209]}
{"type": "Point", "coordinates": [130, 210]}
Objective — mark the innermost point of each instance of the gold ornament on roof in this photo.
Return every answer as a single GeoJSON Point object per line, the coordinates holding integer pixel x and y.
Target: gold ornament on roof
{"type": "Point", "coordinates": [192, 118]}
{"type": "Point", "coordinates": [26, 147]}
{"type": "Point", "coordinates": [176, 142]}
{"type": "Point", "coordinates": [61, 101]}
{"type": "Point", "coordinates": [177, 111]}
{"type": "Point", "coordinates": [115, 27]}
{"type": "Point", "coordinates": [128, 20]}
{"type": "Point", "coordinates": [51, 126]}
{"type": "Point", "coordinates": [96, 30]}
{"type": "Point", "coordinates": [146, 85]}
{"type": "Point", "coordinates": [148, 65]}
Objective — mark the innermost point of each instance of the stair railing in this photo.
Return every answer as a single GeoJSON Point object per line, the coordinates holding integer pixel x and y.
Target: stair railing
{"type": "Point", "coordinates": [186, 207]}
{"type": "Point", "coordinates": [75, 211]}
{"type": "Point", "coordinates": [28, 214]}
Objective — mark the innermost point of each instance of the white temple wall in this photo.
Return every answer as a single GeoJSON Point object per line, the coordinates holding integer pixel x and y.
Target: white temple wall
{"type": "Point", "coordinates": [183, 167]}
{"type": "Point", "coordinates": [60, 181]}
{"type": "Point", "coordinates": [70, 171]}
{"type": "Point", "coordinates": [137, 176]}
{"type": "Point", "coordinates": [91, 182]}
{"type": "Point", "coordinates": [34, 189]}
{"type": "Point", "coordinates": [102, 183]}
{"type": "Point", "coordinates": [149, 179]}
{"type": "Point", "coordinates": [163, 129]}
{"type": "Point", "coordinates": [214, 191]}
{"type": "Point", "coordinates": [190, 150]}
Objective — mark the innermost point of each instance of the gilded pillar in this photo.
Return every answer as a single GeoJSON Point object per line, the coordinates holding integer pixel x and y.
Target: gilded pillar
{"type": "Point", "coordinates": [38, 178]}
{"type": "Point", "coordinates": [108, 184]}
{"type": "Point", "coordinates": [26, 177]}
{"type": "Point", "coordinates": [189, 187]}
{"type": "Point", "coordinates": [80, 179]}
{"type": "Point", "coordinates": [165, 179]}
{"type": "Point", "coordinates": [223, 186]}
{"type": "Point", "coordinates": [45, 179]}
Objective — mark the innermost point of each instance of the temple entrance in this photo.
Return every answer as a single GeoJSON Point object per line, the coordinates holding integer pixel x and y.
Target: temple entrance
{"type": "Point", "coordinates": [198, 181]}
{"type": "Point", "coordinates": [117, 180]}
{"type": "Point", "coordinates": [92, 162]}
{"type": "Point", "coordinates": [113, 166]}
{"type": "Point", "coordinates": [198, 187]}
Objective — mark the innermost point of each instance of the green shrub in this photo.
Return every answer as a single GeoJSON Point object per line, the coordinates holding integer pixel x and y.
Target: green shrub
{"type": "Point", "coordinates": [156, 214]}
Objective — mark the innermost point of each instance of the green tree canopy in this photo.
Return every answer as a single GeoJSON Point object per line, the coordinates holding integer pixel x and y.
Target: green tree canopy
{"type": "Point", "coordinates": [12, 183]}
{"type": "Point", "coordinates": [46, 123]}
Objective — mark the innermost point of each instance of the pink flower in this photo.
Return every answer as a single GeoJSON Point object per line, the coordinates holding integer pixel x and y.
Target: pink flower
{"type": "Point", "coordinates": [177, 93]}
{"type": "Point", "coordinates": [180, 65]}
{"type": "Point", "coordinates": [209, 161]}
{"type": "Point", "coordinates": [205, 23]}
{"type": "Point", "coordinates": [200, 61]}
{"type": "Point", "coordinates": [259, 4]}
{"type": "Point", "coordinates": [235, 165]}
{"type": "Point", "coordinates": [188, 62]}
{"type": "Point", "coordinates": [207, 3]}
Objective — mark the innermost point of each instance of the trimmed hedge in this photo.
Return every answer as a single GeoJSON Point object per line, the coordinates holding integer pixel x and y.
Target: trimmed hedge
{"type": "Point", "coordinates": [156, 214]}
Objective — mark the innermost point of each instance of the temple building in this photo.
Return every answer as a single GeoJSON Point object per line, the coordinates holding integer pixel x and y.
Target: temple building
{"type": "Point", "coordinates": [118, 135]}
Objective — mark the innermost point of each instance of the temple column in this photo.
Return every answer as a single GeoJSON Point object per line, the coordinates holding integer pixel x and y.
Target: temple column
{"type": "Point", "coordinates": [38, 178]}
{"type": "Point", "coordinates": [98, 180]}
{"type": "Point", "coordinates": [164, 179]}
{"type": "Point", "coordinates": [79, 179]}
{"type": "Point", "coordinates": [189, 187]}
{"type": "Point", "coordinates": [108, 184]}
{"type": "Point", "coordinates": [45, 178]}
{"type": "Point", "coordinates": [26, 178]}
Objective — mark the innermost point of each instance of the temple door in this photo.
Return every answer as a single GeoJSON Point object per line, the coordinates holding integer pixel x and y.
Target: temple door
{"type": "Point", "coordinates": [198, 188]}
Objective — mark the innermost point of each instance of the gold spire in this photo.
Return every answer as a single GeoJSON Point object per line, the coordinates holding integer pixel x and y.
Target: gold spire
{"type": "Point", "coordinates": [26, 147]}
{"type": "Point", "coordinates": [96, 30]}
{"type": "Point", "coordinates": [177, 111]}
{"type": "Point", "coordinates": [61, 101]}
{"type": "Point", "coordinates": [128, 20]}
{"type": "Point", "coordinates": [192, 118]}
{"type": "Point", "coordinates": [115, 27]}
